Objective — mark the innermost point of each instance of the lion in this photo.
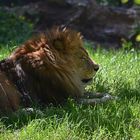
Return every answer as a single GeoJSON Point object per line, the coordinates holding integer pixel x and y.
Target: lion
{"type": "Point", "coordinates": [49, 68]}
{"type": "Point", "coordinates": [9, 95]}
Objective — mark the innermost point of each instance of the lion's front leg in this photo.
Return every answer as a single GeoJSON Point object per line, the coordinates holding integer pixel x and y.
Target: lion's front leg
{"type": "Point", "coordinates": [93, 99]}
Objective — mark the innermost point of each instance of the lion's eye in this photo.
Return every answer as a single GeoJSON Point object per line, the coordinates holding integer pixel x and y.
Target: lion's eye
{"type": "Point", "coordinates": [83, 58]}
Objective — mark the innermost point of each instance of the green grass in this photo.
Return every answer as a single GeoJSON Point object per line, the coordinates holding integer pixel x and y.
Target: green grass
{"type": "Point", "coordinates": [13, 28]}
{"type": "Point", "coordinates": [119, 75]}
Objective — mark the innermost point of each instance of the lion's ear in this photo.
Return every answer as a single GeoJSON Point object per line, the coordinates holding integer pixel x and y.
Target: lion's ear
{"type": "Point", "coordinates": [58, 44]}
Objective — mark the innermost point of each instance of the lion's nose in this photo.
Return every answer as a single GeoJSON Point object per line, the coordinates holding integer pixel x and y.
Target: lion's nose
{"type": "Point", "coordinates": [96, 67]}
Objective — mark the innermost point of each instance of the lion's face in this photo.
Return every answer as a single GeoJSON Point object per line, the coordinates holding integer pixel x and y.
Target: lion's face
{"type": "Point", "coordinates": [86, 68]}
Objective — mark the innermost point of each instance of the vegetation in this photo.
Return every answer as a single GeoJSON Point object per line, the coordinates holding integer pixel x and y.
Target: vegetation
{"type": "Point", "coordinates": [119, 2]}
{"type": "Point", "coordinates": [12, 27]}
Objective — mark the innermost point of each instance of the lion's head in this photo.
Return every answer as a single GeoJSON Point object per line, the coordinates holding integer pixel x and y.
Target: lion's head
{"type": "Point", "coordinates": [55, 65]}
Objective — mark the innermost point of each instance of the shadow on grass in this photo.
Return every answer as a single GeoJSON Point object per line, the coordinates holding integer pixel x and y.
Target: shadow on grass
{"type": "Point", "coordinates": [114, 116]}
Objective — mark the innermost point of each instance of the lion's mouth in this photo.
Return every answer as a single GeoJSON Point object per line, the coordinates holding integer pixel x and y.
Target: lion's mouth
{"type": "Point", "coordinates": [87, 80]}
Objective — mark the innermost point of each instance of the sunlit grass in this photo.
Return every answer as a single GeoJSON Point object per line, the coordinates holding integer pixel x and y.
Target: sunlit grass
{"type": "Point", "coordinates": [119, 75]}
